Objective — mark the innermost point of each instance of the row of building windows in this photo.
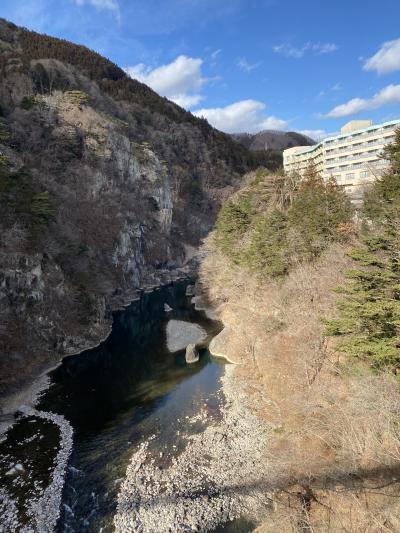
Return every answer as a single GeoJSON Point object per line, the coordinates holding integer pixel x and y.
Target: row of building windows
{"type": "Point", "coordinates": [373, 142]}
{"type": "Point", "coordinates": [353, 156]}
{"type": "Point", "coordinates": [341, 168]}
{"type": "Point", "coordinates": [368, 153]}
{"type": "Point", "coordinates": [351, 176]}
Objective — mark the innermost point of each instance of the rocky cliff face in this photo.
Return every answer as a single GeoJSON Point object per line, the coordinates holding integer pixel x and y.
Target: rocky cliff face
{"type": "Point", "coordinates": [103, 185]}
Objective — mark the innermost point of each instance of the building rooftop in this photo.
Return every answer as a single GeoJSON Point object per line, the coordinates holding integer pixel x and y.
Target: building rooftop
{"type": "Point", "coordinates": [355, 125]}
{"type": "Point", "coordinates": [367, 127]}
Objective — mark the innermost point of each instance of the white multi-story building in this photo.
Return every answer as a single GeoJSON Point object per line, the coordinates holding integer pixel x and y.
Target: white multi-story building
{"type": "Point", "coordinates": [353, 158]}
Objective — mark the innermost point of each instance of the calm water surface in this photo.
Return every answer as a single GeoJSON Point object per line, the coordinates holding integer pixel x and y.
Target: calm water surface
{"type": "Point", "coordinates": [128, 389]}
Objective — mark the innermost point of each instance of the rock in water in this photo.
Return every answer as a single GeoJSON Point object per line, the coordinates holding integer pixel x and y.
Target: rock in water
{"type": "Point", "coordinates": [192, 354]}
{"type": "Point", "coordinates": [167, 308]}
{"type": "Point", "coordinates": [190, 290]}
{"type": "Point", "coordinates": [181, 333]}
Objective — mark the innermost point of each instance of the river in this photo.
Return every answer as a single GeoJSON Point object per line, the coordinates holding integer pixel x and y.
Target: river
{"type": "Point", "coordinates": [127, 390]}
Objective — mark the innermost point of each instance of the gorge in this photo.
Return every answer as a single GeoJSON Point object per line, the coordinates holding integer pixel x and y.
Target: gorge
{"type": "Point", "coordinates": [106, 190]}
{"type": "Point", "coordinates": [190, 339]}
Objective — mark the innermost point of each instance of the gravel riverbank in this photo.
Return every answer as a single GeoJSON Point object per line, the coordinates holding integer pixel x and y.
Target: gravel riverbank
{"type": "Point", "coordinates": [217, 478]}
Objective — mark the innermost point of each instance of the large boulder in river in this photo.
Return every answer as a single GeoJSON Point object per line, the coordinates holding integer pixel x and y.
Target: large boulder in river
{"type": "Point", "coordinates": [192, 354]}
{"type": "Point", "coordinates": [181, 333]}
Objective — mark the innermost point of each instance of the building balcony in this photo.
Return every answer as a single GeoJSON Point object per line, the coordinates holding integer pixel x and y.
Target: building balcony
{"type": "Point", "coordinates": [365, 155]}
{"type": "Point", "coordinates": [364, 137]}
{"type": "Point", "coordinates": [353, 147]}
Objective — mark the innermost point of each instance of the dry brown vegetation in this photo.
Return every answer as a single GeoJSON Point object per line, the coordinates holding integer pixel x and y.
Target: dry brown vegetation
{"type": "Point", "coordinates": [335, 456]}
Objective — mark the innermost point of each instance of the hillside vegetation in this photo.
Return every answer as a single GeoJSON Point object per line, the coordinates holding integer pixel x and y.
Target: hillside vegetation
{"type": "Point", "coordinates": [104, 185]}
{"type": "Point", "coordinates": [311, 311]}
{"type": "Point", "coordinates": [277, 222]}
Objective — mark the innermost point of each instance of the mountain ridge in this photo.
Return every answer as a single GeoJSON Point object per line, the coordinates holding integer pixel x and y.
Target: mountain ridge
{"type": "Point", "coordinates": [272, 140]}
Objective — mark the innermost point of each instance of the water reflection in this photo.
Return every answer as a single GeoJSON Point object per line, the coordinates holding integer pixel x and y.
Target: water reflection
{"type": "Point", "coordinates": [124, 391]}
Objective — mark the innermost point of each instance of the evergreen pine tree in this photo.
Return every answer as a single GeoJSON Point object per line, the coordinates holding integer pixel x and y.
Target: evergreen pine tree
{"type": "Point", "coordinates": [369, 318]}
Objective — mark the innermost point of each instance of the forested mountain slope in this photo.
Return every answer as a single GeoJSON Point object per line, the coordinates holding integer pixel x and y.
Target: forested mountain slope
{"type": "Point", "coordinates": [102, 184]}
{"type": "Point", "coordinates": [273, 140]}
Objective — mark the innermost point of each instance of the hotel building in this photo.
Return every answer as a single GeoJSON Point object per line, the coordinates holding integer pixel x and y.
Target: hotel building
{"type": "Point", "coordinates": [353, 158]}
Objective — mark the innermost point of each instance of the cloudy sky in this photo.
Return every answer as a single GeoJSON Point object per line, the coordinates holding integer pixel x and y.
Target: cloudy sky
{"type": "Point", "coordinates": [245, 65]}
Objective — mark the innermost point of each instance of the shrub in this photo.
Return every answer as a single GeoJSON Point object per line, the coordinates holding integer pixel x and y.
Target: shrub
{"type": "Point", "coordinates": [28, 102]}
{"type": "Point", "coordinates": [317, 215]}
{"type": "Point", "coordinates": [21, 202]}
{"type": "Point", "coordinates": [233, 221]}
{"type": "Point", "coordinates": [77, 97]}
{"type": "Point", "coordinates": [266, 254]}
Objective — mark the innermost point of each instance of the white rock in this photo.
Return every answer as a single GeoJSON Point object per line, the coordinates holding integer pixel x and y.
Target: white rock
{"type": "Point", "coordinates": [181, 333]}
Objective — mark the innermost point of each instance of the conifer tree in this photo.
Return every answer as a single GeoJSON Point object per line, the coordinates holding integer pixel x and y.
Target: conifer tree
{"type": "Point", "coordinates": [279, 221]}
{"type": "Point", "coordinates": [317, 213]}
{"type": "Point", "coordinates": [369, 318]}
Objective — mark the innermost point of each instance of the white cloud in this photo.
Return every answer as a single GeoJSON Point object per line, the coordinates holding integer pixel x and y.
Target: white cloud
{"type": "Point", "coordinates": [179, 81]}
{"type": "Point", "coordinates": [317, 135]}
{"type": "Point", "coordinates": [386, 59]}
{"type": "Point", "coordinates": [244, 65]}
{"type": "Point", "coordinates": [336, 87]}
{"type": "Point", "coordinates": [112, 5]}
{"type": "Point", "coordinates": [326, 48]}
{"type": "Point", "coordinates": [243, 116]}
{"type": "Point", "coordinates": [188, 100]}
{"type": "Point", "coordinates": [333, 89]}
{"type": "Point", "coordinates": [288, 50]}
{"type": "Point", "coordinates": [388, 95]}
{"type": "Point", "coordinates": [216, 53]}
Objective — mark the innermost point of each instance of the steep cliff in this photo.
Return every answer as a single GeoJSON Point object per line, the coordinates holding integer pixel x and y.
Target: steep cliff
{"type": "Point", "coordinates": [103, 186]}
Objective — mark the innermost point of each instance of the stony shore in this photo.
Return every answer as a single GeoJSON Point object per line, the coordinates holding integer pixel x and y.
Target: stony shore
{"type": "Point", "coordinates": [220, 475]}
{"type": "Point", "coordinates": [41, 506]}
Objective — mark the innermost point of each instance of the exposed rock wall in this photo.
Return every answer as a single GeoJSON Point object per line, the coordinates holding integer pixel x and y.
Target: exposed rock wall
{"type": "Point", "coordinates": [111, 228]}
{"type": "Point", "coordinates": [98, 197]}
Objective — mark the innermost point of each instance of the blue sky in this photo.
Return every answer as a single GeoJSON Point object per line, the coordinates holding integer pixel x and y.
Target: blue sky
{"type": "Point", "coordinates": [245, 65]}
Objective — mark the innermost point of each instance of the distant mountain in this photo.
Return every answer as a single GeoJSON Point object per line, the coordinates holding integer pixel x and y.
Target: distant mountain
{"type": "Point", "coordinates": [272, 140]}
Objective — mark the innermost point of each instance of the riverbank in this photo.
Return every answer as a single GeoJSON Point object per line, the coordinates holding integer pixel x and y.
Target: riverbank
{"type": "Point", "coordinates": [23, 386]}
{"type": "Point", "coordinates": [25, 498]}
{"type": "Point", "coordinates": [34, 384]}
{"type": "Point", "coordinates": [36, 444]}
{"type": "Point", "coordinates": [219, 476]}
{"type": "Point", "coordinates": [334, 437]}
